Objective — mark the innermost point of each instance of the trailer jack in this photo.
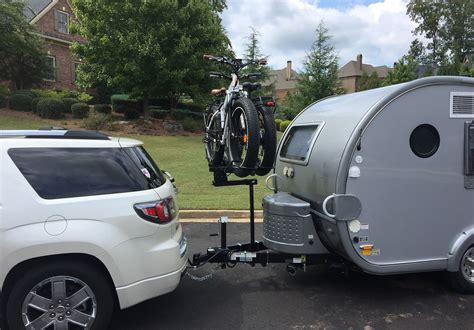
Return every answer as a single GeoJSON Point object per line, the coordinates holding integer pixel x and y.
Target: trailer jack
{"type": "Point", "coordinates": [254, 252]}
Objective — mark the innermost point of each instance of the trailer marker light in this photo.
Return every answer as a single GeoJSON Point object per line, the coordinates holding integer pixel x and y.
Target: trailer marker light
{"type": "Point", "coordinates": [367, 249]}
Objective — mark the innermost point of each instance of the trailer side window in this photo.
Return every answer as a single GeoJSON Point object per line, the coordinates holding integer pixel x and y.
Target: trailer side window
{"type": "Point", "coordinates": [424, 141]}
{"type": "Point", "coordinates": [298, 143]}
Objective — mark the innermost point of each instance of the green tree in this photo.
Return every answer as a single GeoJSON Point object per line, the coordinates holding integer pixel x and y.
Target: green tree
{"type": "Point", "coordinates": [149, 48]}
{"type": "Point", "coordinates": [404, 70]}
{"type": "Point", "coordinates": [253, 53]}
{"type": "Point", "coordinates": [367, 82]}
{"type": "Point", "coordinates": [428, 15]}
{"type": "Point", "coordinates": [458, 32]}
{"type": "Point", "coordinates": [22, 58]}
{"type": "Point", "coordinates": [319, 77]}
{"type": "Point", "coordinates": [449, 27]}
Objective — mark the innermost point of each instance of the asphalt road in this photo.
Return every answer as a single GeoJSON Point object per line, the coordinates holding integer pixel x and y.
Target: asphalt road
{"type": "Point", "coordinates": [267, 297]}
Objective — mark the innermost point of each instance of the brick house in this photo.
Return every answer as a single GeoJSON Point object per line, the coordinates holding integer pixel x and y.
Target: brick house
{"type": "Point", "coordinates": [51, 19]}
{"type": "Point", "coordinates": [350, 74]}
{"type": "Point", "coordinates": [282, 81]}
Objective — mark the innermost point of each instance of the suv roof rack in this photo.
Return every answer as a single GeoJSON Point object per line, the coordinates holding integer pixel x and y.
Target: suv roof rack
{"type": "Point", "coordinates": [55, 133]}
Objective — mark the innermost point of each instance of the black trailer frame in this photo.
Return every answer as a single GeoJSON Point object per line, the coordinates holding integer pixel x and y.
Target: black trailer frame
{"type": "Point", "coordinates": [253, 252]}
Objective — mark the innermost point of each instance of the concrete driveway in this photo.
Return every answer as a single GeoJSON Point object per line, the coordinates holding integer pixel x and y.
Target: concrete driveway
{"type": "Point", "coordinates": [264, 298]}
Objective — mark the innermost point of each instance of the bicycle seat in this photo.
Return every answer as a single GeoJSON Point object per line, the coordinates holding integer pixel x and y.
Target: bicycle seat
{"type": "Point", "coordinates": [218, 91]}
{"type": "Point", "coordinates": [249, 86]}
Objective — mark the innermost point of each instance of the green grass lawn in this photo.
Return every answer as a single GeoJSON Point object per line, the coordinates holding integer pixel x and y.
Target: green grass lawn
{"type": "Point", "coordinates": [183, 157]}
{"type": "Point", "coordinates": [12, 122]}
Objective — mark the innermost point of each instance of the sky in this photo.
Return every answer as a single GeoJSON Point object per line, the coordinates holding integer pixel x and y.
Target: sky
{"type": "Point", "coordinates": [379, 30]}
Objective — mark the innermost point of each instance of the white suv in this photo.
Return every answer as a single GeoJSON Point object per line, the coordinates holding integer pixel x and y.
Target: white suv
{"type": "Point", "coordinates": [86, 222]}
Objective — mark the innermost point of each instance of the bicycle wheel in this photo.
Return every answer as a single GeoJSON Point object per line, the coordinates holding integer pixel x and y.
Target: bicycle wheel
{"type": "Point", "coordinates": [244, 137]}
{"type": "Point", "coordinates": [267, 150]}
{"type": "Point", "coordinates": [213, 135]}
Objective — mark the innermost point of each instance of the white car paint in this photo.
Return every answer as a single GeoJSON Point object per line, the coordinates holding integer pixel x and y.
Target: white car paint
{"type": "Point", "coordinates": [142, 258]}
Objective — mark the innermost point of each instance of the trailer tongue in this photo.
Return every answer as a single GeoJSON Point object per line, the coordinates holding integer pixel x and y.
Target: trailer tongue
{"type": "Point", "coordinates": [254, 252]}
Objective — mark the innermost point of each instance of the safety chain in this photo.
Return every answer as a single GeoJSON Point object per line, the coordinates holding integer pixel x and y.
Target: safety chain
{"type": "Point", "coordinates": [202, 278]}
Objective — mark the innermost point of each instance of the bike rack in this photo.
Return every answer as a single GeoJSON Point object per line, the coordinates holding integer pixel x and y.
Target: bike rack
{"type": "Point", "coordinates": [253, 252]}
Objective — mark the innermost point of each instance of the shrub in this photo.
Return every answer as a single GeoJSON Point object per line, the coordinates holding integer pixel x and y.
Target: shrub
{"type": "Point", "coordinates": [103, 108]}
{"type": "Point", "coordinates": [158, 113]}
{"type": "Point", "coordinates": [3, 101]}
{"type": "Point", "coordinates": [80, 110]}
{"type": "Point", "coordinates": [160, 102]}
{"type": "Point", "coordinates": [50, 108]}
{"type": "Point", "coordinates": [34, 104]}
{"type": "Point", "coordinates": [3, 90]}
{"type": "Point", "coordinates": [125, 105]}
{"type": "Point", "coordinates": [25, 92]}
{"type": "Point", "coordinates": [20, 102]}
{"type": "Point", "coordinates": [277, 123]}
{"type": "Point", "coordinates": [83, 97]}
{"type": "Point", "coordinates": [180, 114]}
{"type": "Point", "coordinates": [284, 124]}
{"type": "Point", "coordinates": [68, 102]}
{"type": "Point", "coordinates": [63, 93]}
{"type": "Point", "coordinates": [116, 99]}
{"type": "Point", "coordinates": [192, 125]}
{"type": "Point", "coordinates": [96, 121]}
{"type": "Point", "coordinates": [123, 102]}
{"type": "Point", "coordinates": [193, 107]}
{"type": "Point", "coordinates": [131, 114]}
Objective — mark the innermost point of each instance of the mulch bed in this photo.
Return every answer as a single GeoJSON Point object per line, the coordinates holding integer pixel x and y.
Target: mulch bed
{"type": "Point", "coordinates": [124, 127]}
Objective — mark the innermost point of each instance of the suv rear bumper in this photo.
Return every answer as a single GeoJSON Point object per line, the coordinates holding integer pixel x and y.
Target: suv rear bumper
{"type": "Point", "coordinates": [149, 266]}
{"type": "Point", "coordinates": [137, 292]}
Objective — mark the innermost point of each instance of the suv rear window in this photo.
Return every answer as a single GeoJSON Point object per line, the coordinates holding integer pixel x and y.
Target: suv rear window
{"type": "Point", "coordinates": [298, 143]}
{"type": "Point", "coordinates": [76, 172]}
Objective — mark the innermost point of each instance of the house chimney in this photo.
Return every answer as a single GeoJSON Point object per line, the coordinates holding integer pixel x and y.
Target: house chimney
{"type": "Point", "coordinates": [288, 70]}
{"type": "Point", "coordinates": [359, 61]}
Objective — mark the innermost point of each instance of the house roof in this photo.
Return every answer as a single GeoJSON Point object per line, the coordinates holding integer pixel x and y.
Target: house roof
{"type": "Point", "coordinates": [277, 78]}
{"type": "Point", "coordinates": [34, 7]}
{"type": "Point", "coordinates": [351, 69]}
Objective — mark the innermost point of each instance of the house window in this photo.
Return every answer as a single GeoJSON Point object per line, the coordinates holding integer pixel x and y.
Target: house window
{"type": "Point", "coordinates": [50, 68]}
{"type": "Point", "coordinates": [61, 21]}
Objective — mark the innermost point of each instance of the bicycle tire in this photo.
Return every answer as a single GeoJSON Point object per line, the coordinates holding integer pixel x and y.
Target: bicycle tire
{"type": "Point", "coordinates": [244, 137]}
{"type": "Point", "coordinates": [214, 150]}
{"type": "Point", "coordinates": [268, 140]}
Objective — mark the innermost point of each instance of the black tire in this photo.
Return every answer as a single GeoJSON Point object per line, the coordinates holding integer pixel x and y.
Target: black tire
{"type": "Point", "coordinates": [214, 150]}
{"type": "Point", "coordinates": [459, 280]}
{"type": "Point", "coordinates": [89, 275]}
{"type": "Point", "coordinates": [244, 139]}
{"type": "Point", "coordinates": [268, 140]}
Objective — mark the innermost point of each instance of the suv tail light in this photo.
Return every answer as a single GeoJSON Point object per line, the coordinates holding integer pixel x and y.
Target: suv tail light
{"type": "Point", "coordinates": [160, 212]}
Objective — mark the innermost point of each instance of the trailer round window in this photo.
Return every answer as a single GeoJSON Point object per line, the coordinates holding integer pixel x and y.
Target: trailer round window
{"type": "Point", "coordinates": [424, 141]}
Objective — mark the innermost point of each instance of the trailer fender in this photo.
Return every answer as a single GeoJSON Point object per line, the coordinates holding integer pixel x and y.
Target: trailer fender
{"type": "Point", "coordinates": [460, 245]}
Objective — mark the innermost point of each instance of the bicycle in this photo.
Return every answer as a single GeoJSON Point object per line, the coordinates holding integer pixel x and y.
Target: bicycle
{"type": "Point", "coordinates": [235, 128]}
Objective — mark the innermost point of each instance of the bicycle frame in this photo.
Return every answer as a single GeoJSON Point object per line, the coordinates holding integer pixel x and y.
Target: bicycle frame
{"type": "Point", "coordinates": [234, 88]}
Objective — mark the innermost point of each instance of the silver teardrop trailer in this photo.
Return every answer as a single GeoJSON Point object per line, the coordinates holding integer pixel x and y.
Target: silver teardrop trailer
{"type": "Point", "coordinates": [383, 179]}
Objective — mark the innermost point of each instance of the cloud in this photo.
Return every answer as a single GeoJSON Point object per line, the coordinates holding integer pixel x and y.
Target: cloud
{"type": "Point", "coordinates": [381, 31]}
